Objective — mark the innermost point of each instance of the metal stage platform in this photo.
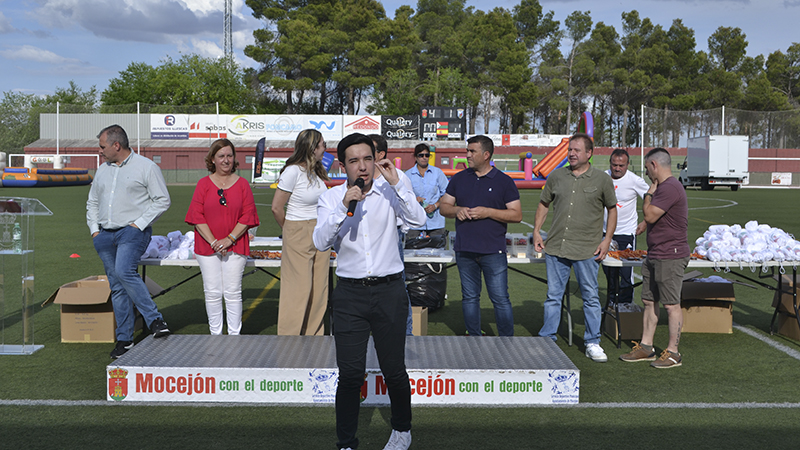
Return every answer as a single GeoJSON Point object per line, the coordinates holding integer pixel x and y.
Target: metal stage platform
{"type": "Point", "coordinates": [444, 370]}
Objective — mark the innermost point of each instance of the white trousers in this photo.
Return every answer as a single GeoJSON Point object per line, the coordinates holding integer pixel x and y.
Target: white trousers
{"type": "Point", "coordinates": [222, 276]}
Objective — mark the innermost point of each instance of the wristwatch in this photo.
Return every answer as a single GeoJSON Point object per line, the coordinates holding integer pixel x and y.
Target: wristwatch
{"type": "Point", "coordinates": [646, 194]}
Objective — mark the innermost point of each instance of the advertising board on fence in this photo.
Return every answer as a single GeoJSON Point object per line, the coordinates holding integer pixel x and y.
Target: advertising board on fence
{"type": "Point", "coordinates": [169, 126]}
{"type": "Point", "coordinates": [248, 385]}
{"type": "Point", "coordinates": [284, 127]}
{"type": "Point", "coordinates": [361, 124]}
{"type": "Point", "coordinates": [400, 127]}
{"type": "Point", "coordinates": [246, 126]}
{"type": "Point", "coordinates": [781, 179]}
{"type": "Point", "coordinates": [208, 126]}
{"type": "Point", "coordinates": [329, 126]}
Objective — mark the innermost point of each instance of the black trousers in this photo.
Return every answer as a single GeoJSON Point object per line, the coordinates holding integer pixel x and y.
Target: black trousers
{"type": "Point", "coordinates": [356, 311]}
{"type": "Point", "coordinates": [624, 282]}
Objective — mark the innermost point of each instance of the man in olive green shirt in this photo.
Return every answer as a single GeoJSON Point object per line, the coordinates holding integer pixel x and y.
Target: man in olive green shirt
{"type": "Point", "coordinates": [578, 194]}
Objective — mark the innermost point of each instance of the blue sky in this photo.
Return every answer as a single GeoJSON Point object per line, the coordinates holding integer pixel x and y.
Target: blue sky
{"type": "Point", "coordinates": [46, 43]}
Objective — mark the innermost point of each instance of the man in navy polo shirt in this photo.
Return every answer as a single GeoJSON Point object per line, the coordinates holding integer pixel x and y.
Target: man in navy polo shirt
{"type": "Point", "coordinates": [483, 200]}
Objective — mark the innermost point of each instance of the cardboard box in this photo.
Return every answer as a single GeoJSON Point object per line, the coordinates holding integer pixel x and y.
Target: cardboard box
{"type": "Point", "coordinates": [707, 307]}
{"type": "Point", "coordinates": [785, 303]}
{"type": "Point", "coordinates": [419, 317]}
{"type": "Point", "coordinates": [87, 314]}
{"type": "Point", "coordinates": [630, 324]}
{"type": "Point", "coordinates": [787, 326]}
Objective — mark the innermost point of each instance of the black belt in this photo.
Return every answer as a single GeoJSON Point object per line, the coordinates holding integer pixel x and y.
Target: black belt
{"type": "Point", "coordinates": [372, 281]}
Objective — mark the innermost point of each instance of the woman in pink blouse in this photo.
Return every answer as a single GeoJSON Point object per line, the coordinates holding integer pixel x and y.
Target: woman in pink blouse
{"type": "Point", "coordinates": [304, 270]}
{"type": "Point", "coordinates": [221, 211]}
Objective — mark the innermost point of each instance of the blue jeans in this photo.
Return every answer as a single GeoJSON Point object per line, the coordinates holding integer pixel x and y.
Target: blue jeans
{"type": "Point", "coordinates": [120, 251]}
{"type": "Point", "coordinates": [495, 270]}
{"type": "Point", "coordinates": [557, 276]}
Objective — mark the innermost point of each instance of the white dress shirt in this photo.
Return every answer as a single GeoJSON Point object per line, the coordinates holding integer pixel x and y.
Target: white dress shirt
{"type": "Point", "coordinates": [133, 192]}
{"type": "Point", "coordinates": [627, 188]}
{"type": "Point", "coordinates": [403, 180]}
{"type": "Point", "coordinates": [366, 244]}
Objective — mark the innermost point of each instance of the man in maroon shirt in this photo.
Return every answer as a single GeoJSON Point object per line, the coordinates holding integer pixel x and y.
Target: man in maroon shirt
{"type": "Point", "coordinates": [666, 213]}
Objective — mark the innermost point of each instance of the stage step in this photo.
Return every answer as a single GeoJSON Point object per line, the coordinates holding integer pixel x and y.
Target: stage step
{"type": "Point", "coordinates": [302, 370]}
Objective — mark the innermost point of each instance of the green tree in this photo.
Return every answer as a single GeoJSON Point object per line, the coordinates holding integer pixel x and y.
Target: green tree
{"type": "Point", "coordinates": [192, 80]}
{"type": "Point", "coordinates": [19, 113]}
{"type": "Point", "coordinates": [535, 28]}
{"type": "Point", "coordinates": [17, 126]}
{"type": "Point", "coordinates": [361, 40]}
{"type": "Point", "coordinates": [783, 73]}
{"type": "Point", "coordinates": [727, 47]}
{"type": "Point", "coordinates": [438, 24]}
{"type": "Point", "coordinates": [603, 49]}
{"type": "Point", "coordinates": [302, 57]}
{"type": "Point", "coordinates": [508, 74]}
{"type": "Point", "coordinates": [578, 25]}
{"type": "Point", "coordinates": [633, 83]}
{"type": "Point", "coordinates": [400, 94]}
{"type": "Point", "coordinates": [398, 90]}
{"type": "Point", "coordinates": [541, 36]}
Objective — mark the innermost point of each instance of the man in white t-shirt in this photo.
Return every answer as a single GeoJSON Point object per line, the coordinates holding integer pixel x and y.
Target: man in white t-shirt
{"type": "Point", "coordinates": [628, 186]}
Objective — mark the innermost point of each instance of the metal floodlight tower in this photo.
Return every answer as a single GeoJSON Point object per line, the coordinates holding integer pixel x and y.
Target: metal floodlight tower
{"type": "Point", "coordinates": [227, 31]}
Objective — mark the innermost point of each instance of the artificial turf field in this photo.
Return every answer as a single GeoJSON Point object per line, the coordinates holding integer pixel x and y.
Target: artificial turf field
{"type": "Point", "coordinates": [732, 391]}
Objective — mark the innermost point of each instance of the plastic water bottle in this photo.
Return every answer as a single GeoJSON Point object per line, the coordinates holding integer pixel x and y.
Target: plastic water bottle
{"type": "Point", "coordinates": [425, 205]}
{"type": "Point", "coordinates": [16, 237]}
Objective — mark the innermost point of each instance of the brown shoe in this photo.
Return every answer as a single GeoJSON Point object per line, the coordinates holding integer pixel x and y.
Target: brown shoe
{"type": "Point", "coordinates": [639, 353]}
{"type": "Point", "coordinates": [667, 360]}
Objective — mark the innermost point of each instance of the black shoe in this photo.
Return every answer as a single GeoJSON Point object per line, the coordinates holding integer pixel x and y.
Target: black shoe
{"type": "Point", "coordinates": [121, 348]}
{"type": "Point", "coordinates": [159, 328]}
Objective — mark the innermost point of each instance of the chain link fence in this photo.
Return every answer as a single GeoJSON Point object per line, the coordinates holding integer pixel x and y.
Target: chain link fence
{"type": "Point", "coordinates": [766, 129]}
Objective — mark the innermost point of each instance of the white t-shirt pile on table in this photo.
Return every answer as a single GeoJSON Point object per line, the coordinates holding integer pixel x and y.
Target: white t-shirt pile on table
{"type": "Point", "coordinates": [751, 244]}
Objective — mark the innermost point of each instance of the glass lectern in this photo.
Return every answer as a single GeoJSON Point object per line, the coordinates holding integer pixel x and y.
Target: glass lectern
{"type": "Point", "coordinates": [16, 273]}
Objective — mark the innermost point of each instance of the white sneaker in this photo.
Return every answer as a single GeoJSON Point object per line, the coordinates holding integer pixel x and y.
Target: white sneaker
{"type": "Point", "coordinates": [596, 352]}
{"type": "Point", "coordinates": [399, 440]}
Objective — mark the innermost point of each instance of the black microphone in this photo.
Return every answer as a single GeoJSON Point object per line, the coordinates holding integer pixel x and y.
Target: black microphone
{"type": "Point", "coordinates": [352, 208]}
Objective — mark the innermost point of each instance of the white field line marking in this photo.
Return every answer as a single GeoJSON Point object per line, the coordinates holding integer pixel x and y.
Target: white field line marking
{"type": "Point", "coordinates": [776, 345]}
{"type": "Point", "coordinates": [601, 405]}
{"type": "Point", "coordinates": [729, 203]}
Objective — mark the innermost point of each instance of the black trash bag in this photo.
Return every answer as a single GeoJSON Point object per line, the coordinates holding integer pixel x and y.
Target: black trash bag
{"type": "Point", "coordinates": [425, 241]}
{"type": "Point", "coordinates": [427, 282]}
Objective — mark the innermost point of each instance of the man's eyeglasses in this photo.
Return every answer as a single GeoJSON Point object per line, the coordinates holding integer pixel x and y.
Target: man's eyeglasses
{"type": "Point", "coordinates": [222, 200]}
{"type": "Point", "coordinates": [424, 155]}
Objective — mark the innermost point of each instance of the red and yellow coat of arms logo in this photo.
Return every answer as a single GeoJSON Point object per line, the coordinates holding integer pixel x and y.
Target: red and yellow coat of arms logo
{"type": "Point", "coordinates": [118, 384]}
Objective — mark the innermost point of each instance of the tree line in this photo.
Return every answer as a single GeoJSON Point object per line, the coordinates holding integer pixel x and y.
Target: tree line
{"type": "Point", "coordinates": [518, 68]}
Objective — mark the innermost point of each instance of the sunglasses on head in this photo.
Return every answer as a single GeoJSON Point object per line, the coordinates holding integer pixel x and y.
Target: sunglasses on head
{"type": "Point", "coordinates": [222, 200]}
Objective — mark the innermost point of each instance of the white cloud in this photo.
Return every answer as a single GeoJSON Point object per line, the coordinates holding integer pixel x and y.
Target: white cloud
{"type": "Point", "coordinates": [36, 54]}
{"type": "Point", "coordinates": [242, 39]}
{"type": "Point", "coordinates": [206, 49]}
{"type": "Point", "coordinates": [49, 63]}
{"type": "Point", "coordinates": [132, 20]}
{"type": "Point", "coordinates": [5, 24]}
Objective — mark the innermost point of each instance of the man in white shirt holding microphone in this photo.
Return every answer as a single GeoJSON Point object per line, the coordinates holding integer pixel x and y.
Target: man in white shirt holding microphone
{"type": "Point", "coordinates": [359, 220]}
